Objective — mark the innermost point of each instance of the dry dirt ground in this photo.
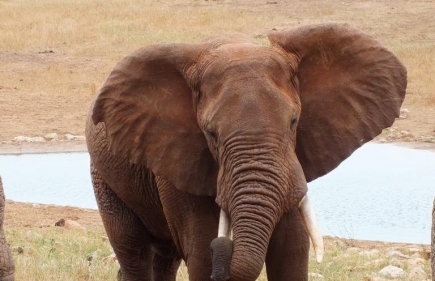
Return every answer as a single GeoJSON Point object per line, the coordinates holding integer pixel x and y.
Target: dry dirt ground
{"type": "Point", "coordinates": [45, 91]}
{"type": "Point", "coordinates": [32, 106]}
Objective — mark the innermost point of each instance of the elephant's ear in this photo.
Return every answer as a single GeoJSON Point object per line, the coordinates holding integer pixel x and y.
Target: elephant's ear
{"type": "Point", "coordinates": [350, 86]}
{"type": "Point", "coordinates": [146, 106]}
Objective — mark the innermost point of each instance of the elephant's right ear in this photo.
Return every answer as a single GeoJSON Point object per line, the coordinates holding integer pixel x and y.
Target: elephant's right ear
{"type": "Point", "coordinates": [350, 87]}
{"type": "Point", "coordinates": [147, 108]}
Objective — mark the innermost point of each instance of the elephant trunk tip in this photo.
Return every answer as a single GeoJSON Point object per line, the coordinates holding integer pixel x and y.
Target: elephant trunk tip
{"type": "Point", "coordinates": [221, 250]}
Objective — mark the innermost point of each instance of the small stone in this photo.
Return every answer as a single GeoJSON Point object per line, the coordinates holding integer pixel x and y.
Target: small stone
{"type": "Point", "coordinates": [28, 139]}
{"type": "Point", "coordinates": [51, 137]}
{"type": "Point", "coordinates": [70, 224]}
{"type": "Point", "coordinates": [104, 238]}
{"type": "Point", "coordinates": [415, 250]}
{"type": "Point", "coordinates": [417, 273]}
{"type": "Point", "coordinates": [396, 254]}
{"type": "Point", "coordinates": [315, 275]}
{"type": "Point", "coordinates": [406, 134]}
{"type": "Point", "coordinates": [19, 139]}
{"type": "Point", "coordinates": [36, 139]}
{"type": "Point", "coordinates": [404, 112]}
{"type": "Point", "coordinates": [60, 222]}
{"type": "Point", "coordinates": [368, 254]}
{"type": "Point", "coordinates": [74, 137]}
{"type": "Point", "coordinates": [391, 271]}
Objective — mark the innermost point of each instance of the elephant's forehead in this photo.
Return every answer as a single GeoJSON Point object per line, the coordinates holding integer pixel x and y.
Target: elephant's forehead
{"type": "Point", "coordinates": [244, 59]}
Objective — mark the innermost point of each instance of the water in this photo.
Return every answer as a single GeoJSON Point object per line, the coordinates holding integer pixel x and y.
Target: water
{"type": "Point", "coordinates": [61, 179]}
{"type": "Point", "coordinates": [382, 192]}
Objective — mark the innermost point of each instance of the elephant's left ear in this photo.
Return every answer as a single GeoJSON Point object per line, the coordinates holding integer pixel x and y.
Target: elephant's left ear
{"type": "Point", "coordinates": [350, 86]}
{"type": "Point", "coordinates": [146, 105]}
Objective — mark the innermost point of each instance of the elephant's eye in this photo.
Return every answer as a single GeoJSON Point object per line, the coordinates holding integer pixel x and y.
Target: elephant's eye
{"type": "Point", "coordinates": [294, 121]}
{"type": "Point", "coordinates": [212, 135]}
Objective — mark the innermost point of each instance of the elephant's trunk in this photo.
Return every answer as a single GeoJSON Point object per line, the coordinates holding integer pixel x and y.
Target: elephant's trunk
{"type": "Point", "coordinates": [252, 229]}
{"type": "Point", "coordinates": [260, 179]}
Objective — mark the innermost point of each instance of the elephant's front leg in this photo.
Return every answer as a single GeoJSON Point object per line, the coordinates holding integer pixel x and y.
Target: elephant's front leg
{"type": "Point", "coordinates": [128, 237]}
{"type": "Point", "coordinates": [288, 251]}
{"type": "Point", "coordinates": [193, 221]}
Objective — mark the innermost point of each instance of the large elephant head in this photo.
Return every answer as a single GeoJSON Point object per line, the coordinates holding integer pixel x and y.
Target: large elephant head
{"type": "Point", "coordinates": [251, 124]}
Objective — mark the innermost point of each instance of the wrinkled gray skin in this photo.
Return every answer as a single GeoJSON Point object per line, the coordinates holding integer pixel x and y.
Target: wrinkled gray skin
{"type": "Point", "coordinates": [7, 267]}
{"type": "Point", "coordinates": [433, 242]}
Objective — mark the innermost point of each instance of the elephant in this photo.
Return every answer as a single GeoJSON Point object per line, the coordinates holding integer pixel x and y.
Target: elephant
{"type": "Point", "coordinates": [7, 267]}
{"type": "Point", "coordinates": [202, 151]}
{"type": "Point", "coordinates": [433, 242]}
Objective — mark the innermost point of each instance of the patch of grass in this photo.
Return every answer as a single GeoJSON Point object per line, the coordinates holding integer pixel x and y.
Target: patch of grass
{"type": "Point", "coordinates": [54, 253]}
{"type": "Point", "coordinates": [419, 59]}
{"type": "Point", "coordinates": [57, 254]}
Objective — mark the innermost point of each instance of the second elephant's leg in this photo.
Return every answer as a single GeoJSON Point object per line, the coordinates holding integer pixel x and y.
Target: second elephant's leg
{"type": "Point", "coordinates": [287, 254]}
{"type": "Point", "coordinates": [433, 242]}
{"type": "Point", "coordinates": [128, 236]}
{"type": "Point", "coordinates": [7, 267]}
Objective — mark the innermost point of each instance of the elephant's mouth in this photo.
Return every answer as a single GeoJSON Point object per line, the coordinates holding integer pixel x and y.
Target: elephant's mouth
{"type": "Point", "coordinates": [307, 212]}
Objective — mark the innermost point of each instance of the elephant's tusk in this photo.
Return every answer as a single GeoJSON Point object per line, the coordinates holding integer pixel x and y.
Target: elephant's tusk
{"type": "Point", "coordinates": [224, 225]}
{"type": "Point", "coordinates": [307, 212]}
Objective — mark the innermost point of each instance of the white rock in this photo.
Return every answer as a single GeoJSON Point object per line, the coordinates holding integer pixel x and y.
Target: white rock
{"type": "Point", "coordinates": [406, 134]}
{"type": "Point", "coordinates": [315, 275]}
{"type": "Point", "coordinates": [371, 253]}
{"type": "Point", "coordinates": [404, 112]}
{"type": "Point", "coordinates": [37, 139]}
{"type": "Point", "coordinates": [28, 139]}
{"type": "Point", "coordinates": [391, 271]}
{"type": "Point", "coordinates": [70, 224]}
{"type": "Point", "coordinates": [396, 254]}
{"type": "Point", "coordinates": [51, 137]}
{"type": "Point", "coordinates": [74, 137]}
{"type": "Point", "coordinates": [415, 250]}
{"type": "Point", "coordinates": [19, 139]}
{"type": "Point", "coordinates": [110, 258]}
